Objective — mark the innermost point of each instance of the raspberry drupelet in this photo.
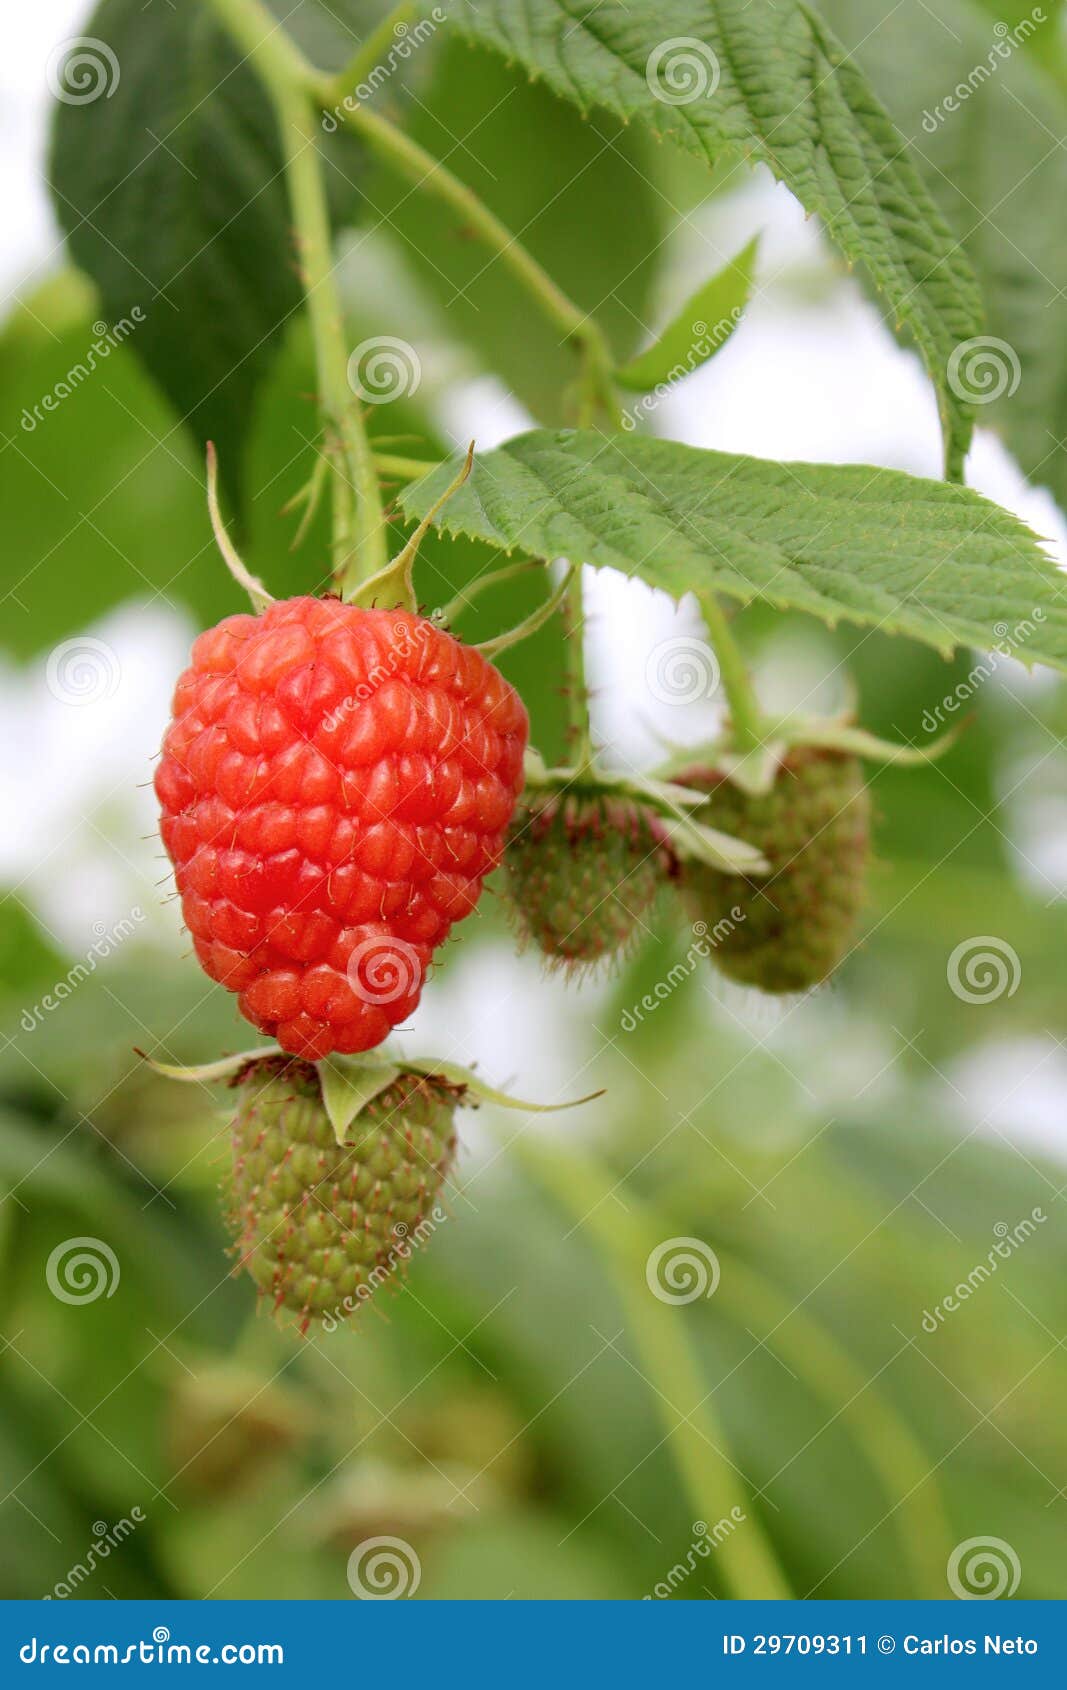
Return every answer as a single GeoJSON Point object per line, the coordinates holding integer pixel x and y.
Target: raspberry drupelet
{"type": "Point", "coordinates": [335, 784]}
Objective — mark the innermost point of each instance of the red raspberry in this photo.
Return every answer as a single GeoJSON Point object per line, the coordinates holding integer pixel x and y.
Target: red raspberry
{"type": "Point", "coordinates": [335, 784]}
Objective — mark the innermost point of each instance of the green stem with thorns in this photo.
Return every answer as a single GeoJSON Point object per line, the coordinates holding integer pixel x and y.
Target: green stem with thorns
{"type": "Point", "coordinates": [359, 530]}
{"type": "Point", "coordinates": [429, 175]}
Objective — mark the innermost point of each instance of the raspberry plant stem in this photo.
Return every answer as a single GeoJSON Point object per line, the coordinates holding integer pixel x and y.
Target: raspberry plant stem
{"type": "Point", "coordinates": [403, 469]}
{"type": "Point", "coordinates": [428, 174]}
{"type": "Point", "coordinates": [579, 732]}
{"type": "Point", "coordinates": [363, 61]}
{"type": "Point", "coordinates": [746, 720]}
{"type": "Point", "coordinates": [359, 531]}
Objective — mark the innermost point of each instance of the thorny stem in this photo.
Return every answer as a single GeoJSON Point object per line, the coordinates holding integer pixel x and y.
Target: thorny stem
{"type": "Point", "coordinates": [360, 549]}
{"type": "Point", "coordinates": [430, 175]}
{"type": "Point", "coordinates": [359, 534]}
{"type": "Point", "coordinates": [360, 545]}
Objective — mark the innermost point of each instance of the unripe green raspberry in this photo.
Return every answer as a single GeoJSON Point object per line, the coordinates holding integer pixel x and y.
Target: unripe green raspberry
{"type": "Point", "coordinates": [581, 872]}
{"type": "Point", "coordinates": [813, 827]}
{"type": "Point", "coordinates": [318, 1225]}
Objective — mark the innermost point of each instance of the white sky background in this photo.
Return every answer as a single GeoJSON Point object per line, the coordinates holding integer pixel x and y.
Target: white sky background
{"type": "Point", "coordinates": [807, 381]}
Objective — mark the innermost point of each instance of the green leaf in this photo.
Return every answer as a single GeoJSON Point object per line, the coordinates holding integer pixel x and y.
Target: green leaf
{"type": "Point", "coordinates": [456, 1075]}
{"type": "Point", "coordinates": [990, 162]}
{"type": "Point", "coordinates": [703, 325]}
{"type": "Point", "coordinates": [844, 542]}
{"type": "Point", "coordinates": [349, 1084]}
{"type": "Point", "coordinates": [168, 186]}
{"type": "Point", "coordinates": [206, 1073]}
{"type": "Point", "coordinates": [767, 79]}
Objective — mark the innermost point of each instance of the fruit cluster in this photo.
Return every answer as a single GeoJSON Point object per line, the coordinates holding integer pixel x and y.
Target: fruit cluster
{"type": "Point", "coordinates": [583, 877]}
{"type": "Point", "coordinates": [336, 784]}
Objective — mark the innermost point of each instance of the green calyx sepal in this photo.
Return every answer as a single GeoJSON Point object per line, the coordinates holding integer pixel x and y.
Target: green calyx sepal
{"type": "Point", "coordinates": [350, 1083]}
